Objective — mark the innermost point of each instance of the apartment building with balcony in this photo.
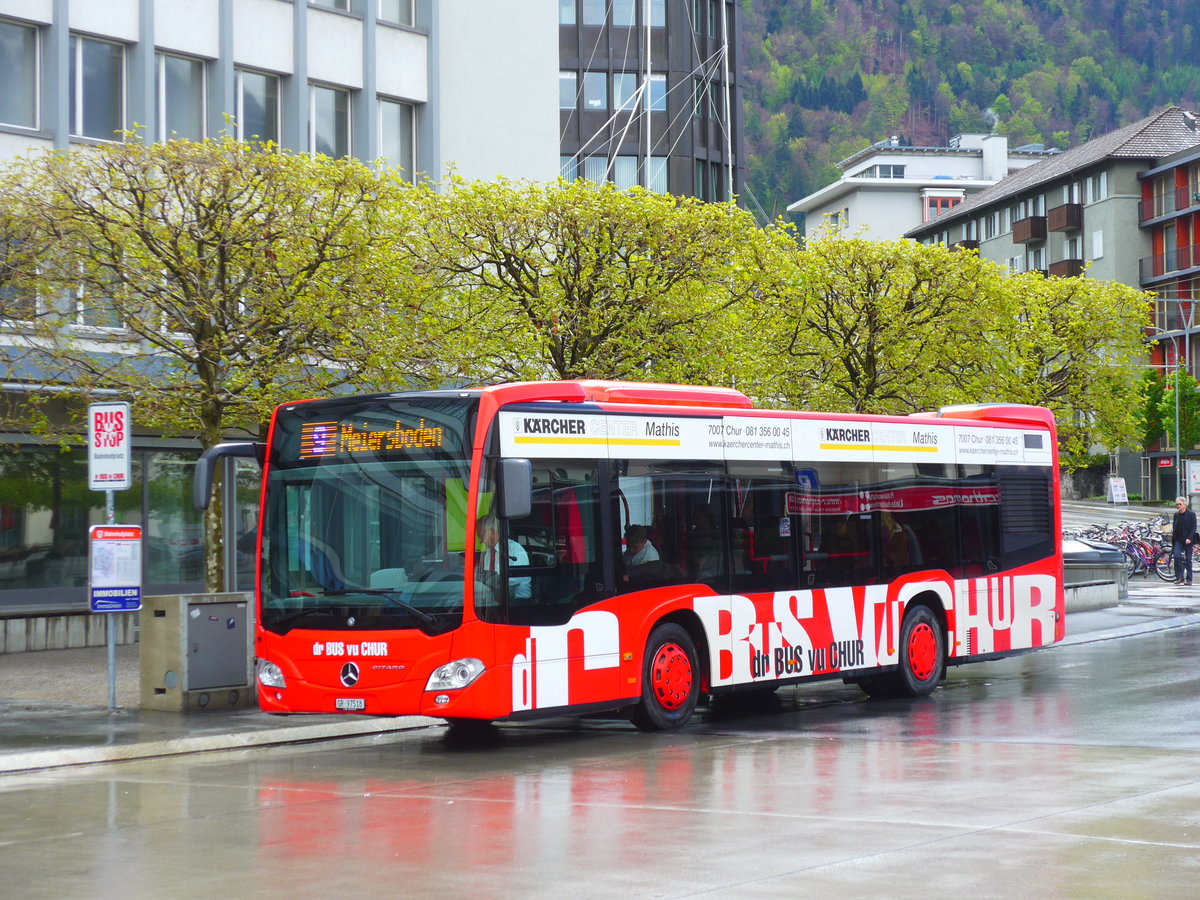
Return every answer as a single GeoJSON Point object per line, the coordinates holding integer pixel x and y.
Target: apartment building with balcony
{"type": "Point", "coordinates": [1123, 207]}
{"type": "Point", "coordinates": [890, 187]}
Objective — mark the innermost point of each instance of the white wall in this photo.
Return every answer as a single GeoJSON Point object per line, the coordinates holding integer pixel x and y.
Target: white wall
{"type": "Point", "coordinates": [497, 77]}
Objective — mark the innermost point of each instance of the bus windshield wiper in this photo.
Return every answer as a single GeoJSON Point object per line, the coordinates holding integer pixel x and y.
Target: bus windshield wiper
{"type": "Point", "coordinates": [393, 597]}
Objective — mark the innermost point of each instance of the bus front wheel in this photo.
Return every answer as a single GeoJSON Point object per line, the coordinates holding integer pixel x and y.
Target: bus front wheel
{"type": "Point", "coordinates": [670, 680]}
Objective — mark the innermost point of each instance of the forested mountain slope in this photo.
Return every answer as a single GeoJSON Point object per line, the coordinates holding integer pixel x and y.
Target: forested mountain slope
{"type": "Point", "coordinates": [825, 78]}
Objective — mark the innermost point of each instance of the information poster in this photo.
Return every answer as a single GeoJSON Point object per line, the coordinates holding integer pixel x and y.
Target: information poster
{"type": "Point", "coordinates": [115, 568]}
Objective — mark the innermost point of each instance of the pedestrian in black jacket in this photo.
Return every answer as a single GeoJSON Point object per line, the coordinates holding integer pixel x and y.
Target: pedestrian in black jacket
{"type": "Point", "coordinates": [1183, 537]}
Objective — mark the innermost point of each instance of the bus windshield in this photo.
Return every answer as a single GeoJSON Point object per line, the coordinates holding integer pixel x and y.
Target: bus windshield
{"type": "Point", "coordinates": [364, 523]}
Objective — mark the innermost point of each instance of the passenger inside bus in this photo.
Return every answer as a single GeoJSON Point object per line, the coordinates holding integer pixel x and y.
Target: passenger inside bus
{"type": "Point", "coordinates": [638, 549]}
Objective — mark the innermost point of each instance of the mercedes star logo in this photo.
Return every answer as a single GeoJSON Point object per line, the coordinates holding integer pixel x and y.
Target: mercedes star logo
{"type": "Point", "coordinates": [350, 674]}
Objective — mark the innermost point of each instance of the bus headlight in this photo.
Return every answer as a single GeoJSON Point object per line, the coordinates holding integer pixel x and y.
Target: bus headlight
{"type": "Point", "coordinates": [455, 675]}
{"type": "Point", "coordinates": [269, 674]}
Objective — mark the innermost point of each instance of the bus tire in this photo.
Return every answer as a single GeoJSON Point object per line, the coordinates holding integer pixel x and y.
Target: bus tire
{"type": "Point", "coordinates": [922, 653]}
{"type": "Point", "coordinates": [922, 658]}
{"type": "Point", "coordinates": [670, 680]}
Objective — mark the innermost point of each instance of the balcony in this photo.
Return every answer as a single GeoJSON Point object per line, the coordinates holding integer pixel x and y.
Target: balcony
{"type": "Point", "coordinates": [1170, 263]}
{"type": "Point", "coordinates": [1066, 268]}
{"type": "Point", "coordinates": [1067, 217]}
{"type": "Point", "coordinates": [965, 245]}
{"type": "Point", "coordinates": [1029, 230]}
{"type": "Point", "coordinates": [1177, 200]}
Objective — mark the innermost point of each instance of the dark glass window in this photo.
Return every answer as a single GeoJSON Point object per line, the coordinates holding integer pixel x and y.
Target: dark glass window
{"type": "Point", "coordinates": [550, 565]}
{"type": "Point", "coordinates": [678, 508]}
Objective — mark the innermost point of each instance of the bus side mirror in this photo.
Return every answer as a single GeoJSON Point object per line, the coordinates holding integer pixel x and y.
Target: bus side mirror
{"type": "Point", "coordinates": [202, 479]}
{"type": "Point", "coordinates": [514, 497]}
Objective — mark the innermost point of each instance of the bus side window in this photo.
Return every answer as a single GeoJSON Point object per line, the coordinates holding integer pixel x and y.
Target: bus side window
{"type": "Point", "coordinates": [561, 539]}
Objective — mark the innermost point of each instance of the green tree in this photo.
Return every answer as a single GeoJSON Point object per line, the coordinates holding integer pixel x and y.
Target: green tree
{"type": "Point", "coordinates": [575, 280]}
{"type": "Point", "coordinates": [1152, 385]}
{"type": "Point", "coordinates": [872, 326]}
{"type": "Point", "coordinates": [1188, 390]}
{"type": "Point", "coordinates": [1071, 344]}
{"type": "Point", "coordinates": [207, 282]}
{"type": "Point", "coordinates": [895, 327]}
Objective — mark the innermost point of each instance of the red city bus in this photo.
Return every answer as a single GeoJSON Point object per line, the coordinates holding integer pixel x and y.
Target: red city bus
{"type": "Point", "coordinates": [533, 550]}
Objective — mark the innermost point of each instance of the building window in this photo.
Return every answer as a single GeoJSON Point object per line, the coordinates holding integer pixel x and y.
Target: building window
{"type": "Point", "coordinates": [97, 88]}
{"type": "Point", "coordinates": [593, 12]}
{"type": "Point", "coordinates": [883, 171]}
{"type": "Point", "coordinates": [1036, 260]}
{"type": "Point", "coordinates": [624, 90]}
{"type": "Point", "coordinates": [1015, 265]}
{"type": "Point", "coordinates": [332, 4]}
{"type": "Point", "coordinates": [624, 13]}
{"type": "Point", "coordinates": [698, 96]}
{"type": "Point", "coordinates": [329, 121]}
{"type": "Point", "coordinates": [656, 95]}
{"type": "Point", "coordinates": [595, 169]}
{"type": "Point", "coordinates": [18, 75]}
{"type": "Point", "coordinates": [1097, 244]}
{"type": "Point", "coordinates": [625, 172]}
{"type": "Point", "coordinates": [400, 12]}
{"type": "Point", "coordinates": [935, 206]}
{"type": "Point", "coordinates": [568, 90]}
{"type": "Point", "coordinates": [595, 91]}
{"type": "Point", "coordinates": [568, 168]}
{"type": "Point", "coordinates": [566, 12]}
{"type": "Point", "coordinates": [179, 97]}
{"type": "Point", "coordinates": [257, 106]}
{"type": "Point", "coordinates": [714, 17]}
{"type": "Point", "coordinates": [397, 136]}
{"type": "Point", "coordinates": [1073, 248]}
{"type": "Point", "coordinates": [1097, 188]}
{"type": "Point", "coordinates": [658, 13]}
{"type": "Point", "coordinates": [656, 181]}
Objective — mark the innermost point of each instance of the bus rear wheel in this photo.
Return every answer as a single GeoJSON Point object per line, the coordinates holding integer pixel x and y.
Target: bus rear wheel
{"type": "Point", "coordinates": [670, 680]}
{"type": "Point", "coordinates": [922, 658]}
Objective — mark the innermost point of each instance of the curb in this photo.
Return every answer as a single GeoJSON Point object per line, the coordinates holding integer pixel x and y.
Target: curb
{"type": "Point", "coordinates": [33, 760]}
{"type": "Point", "coordinates": [1139, 628]}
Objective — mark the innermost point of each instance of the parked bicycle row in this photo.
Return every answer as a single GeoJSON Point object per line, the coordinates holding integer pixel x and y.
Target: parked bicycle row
{"type": "Point", "coordinates": [1145, 545]}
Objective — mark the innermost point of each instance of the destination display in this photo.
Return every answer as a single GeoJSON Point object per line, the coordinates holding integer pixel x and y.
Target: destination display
{"type": "Point", "coordinates": [322, 440]}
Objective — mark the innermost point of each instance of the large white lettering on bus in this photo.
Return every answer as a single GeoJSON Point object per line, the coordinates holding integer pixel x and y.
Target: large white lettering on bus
{"type": "Point", "coordinates": [541, 676]}
{"type": "Point", "coordinates": [789, 634]}
{"type": "Point", "coordinates": [1008, 612]}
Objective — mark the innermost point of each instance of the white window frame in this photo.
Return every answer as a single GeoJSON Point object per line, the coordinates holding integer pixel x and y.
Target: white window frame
{"type": "Point", "coordinates": [406, 15]}
{"type": "Point", "coordinates": [313, 88]}
{"type": "Point", "coordinates": [76, 114]}
{"type": "Point", "coordinates": [35, 76]}
{"type": "Point", "coordinates": [411, 174]}
{"type": "Point", "coordinates": [239, 103]}
{"type": "Point", "coordinates": [161, 99]}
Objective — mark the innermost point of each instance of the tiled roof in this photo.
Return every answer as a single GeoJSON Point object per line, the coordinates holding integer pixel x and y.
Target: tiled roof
{"type": "Point", "coordinates": [1154, 137]}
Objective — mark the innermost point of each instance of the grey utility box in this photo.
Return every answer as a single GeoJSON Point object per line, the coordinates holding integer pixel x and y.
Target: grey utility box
{"type": "Point", "coordinates": [196, 652]}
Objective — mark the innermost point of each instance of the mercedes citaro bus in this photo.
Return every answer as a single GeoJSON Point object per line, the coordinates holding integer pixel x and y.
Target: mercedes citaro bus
{"type": "Point", "coordinates": [541, 549]}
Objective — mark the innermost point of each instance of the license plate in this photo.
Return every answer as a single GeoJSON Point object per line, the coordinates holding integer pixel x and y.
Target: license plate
{"type": "Point", "coordinates": [350, 704]}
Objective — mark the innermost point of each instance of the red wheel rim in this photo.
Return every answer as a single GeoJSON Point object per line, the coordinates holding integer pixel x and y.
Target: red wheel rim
{"type": "Point", "coordinates": [671, 676]}
{"type": "Point", "coordinates": [922, 651]}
